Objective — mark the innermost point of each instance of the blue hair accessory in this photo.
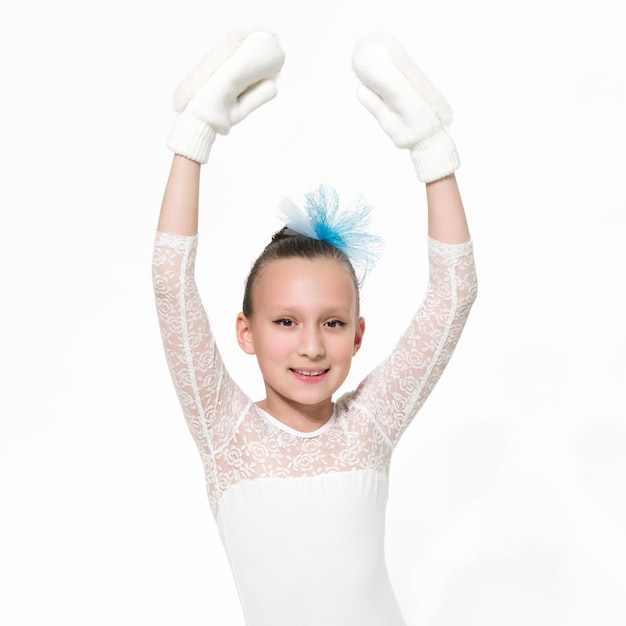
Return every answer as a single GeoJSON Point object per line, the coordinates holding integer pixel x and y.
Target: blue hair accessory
{"type": "Point", "coordinates": [345, 229]}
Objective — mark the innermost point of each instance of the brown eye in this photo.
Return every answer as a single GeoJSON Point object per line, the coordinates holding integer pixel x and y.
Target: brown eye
{"type": "Point", "coordinates": [335, 324]}
{"type": "Point", "coordinates": [283, 322]}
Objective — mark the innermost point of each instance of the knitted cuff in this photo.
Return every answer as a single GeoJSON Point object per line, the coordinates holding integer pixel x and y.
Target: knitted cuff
{"type": "Point", "coordinates": [435, 157]}
{"type": "Point", "coordinates": [191, 137]}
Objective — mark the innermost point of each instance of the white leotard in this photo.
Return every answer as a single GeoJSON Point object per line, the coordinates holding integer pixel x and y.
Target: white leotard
{"type": "Point", "coordinates": [302, 515]}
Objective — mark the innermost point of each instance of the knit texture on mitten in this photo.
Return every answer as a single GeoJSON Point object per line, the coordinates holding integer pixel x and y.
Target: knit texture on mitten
{"type": "Point", "coordinates": [234, 78]}
{"type": "Point", "coordinates": [406, 104]}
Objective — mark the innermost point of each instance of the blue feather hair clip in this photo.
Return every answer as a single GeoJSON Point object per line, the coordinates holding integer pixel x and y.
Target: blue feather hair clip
{"type": "Point", "coordinates": [345, 229]}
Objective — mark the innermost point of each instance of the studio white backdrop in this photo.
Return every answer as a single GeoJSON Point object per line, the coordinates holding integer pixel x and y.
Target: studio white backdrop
{"type": "Point", "coordinates": [508, 498]}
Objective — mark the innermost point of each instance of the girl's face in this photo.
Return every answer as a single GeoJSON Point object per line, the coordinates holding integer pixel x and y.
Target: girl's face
{"type": "Point", "coordinates": [304, 331]}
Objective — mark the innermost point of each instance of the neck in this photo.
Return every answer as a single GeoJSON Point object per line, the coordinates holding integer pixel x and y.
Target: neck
{"type": "Point", "coordinates": [305, 419]}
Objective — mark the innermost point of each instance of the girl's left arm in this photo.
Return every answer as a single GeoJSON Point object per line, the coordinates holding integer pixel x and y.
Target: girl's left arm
{"type": "Point", "coordinates": [396, 390]}
{"type": "Point", "coordinates": [416, 116]}
{"type": "Point", "coordinates": [447, 221]}
{"type": "Point", "coordinates": [400, 386]}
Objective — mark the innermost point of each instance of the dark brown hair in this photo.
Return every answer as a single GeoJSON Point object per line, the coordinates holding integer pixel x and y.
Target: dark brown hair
{"type": "Point", "coordinates": [287, 244]}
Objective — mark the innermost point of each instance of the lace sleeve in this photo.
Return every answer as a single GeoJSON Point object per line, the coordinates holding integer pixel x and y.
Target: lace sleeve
{"type": "Point", "coordinates": [211, 401]}
{"type": "Point", "coordinates": [398, 388]}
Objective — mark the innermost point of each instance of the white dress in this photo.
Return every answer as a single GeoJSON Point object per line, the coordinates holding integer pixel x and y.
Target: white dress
{"type": "Point", "coordinates": [302, 515]}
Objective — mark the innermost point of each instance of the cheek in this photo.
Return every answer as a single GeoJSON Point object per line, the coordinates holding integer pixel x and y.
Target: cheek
{"type": "Point", "coordinates": [275, 346]}
{"type": "Point", "coordinates": [343, 350]}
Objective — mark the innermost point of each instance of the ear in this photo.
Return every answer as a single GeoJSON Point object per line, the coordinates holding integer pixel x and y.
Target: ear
{"type": "Point", "coordinates": [358, 335]}
{"type": "Point", "coordinates": [244, 334]}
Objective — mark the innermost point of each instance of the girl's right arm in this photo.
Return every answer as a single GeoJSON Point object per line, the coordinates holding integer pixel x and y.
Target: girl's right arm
{"type": "Point", "coordinates": [198, 373]}
{"type": "Point", "coordinates": [236, 76]}
{"type": "Point", "coordinates": [179, 208]}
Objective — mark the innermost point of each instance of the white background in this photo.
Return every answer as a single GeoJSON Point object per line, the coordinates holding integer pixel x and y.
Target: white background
{"type": "Point", "coordinates": [508, 503]}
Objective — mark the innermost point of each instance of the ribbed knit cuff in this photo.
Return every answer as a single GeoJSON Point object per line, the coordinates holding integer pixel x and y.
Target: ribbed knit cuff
{"type": "Point", "coordinates": [191, 137]}
{"type": "Point", "coordinates": [435, 157]}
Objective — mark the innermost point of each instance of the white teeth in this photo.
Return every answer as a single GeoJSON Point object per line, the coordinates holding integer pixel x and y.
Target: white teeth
{"type": "Point", "coordinates": [318, 373]}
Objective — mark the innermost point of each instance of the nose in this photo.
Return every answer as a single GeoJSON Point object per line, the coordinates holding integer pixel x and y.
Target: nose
{"type": "Point", "coordinates": [311, 343]}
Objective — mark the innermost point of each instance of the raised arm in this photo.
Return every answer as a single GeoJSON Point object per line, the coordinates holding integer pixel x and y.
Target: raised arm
{"type": "Point", "coordinates": [415, 116]}
{"type": "Point", "coordinates": [446, 215]}
{"type": "Point", "coordinates": [179, 208]}
{"type": "Point", "coordinates": [236, 77]}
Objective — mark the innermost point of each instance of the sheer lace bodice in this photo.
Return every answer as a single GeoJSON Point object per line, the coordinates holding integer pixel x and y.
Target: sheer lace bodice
{"type": "Point", "coordinates": [238, 442]}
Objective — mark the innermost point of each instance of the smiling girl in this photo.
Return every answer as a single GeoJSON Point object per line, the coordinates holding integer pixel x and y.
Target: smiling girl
{"type": "Point", "coordinates": [298, 480]}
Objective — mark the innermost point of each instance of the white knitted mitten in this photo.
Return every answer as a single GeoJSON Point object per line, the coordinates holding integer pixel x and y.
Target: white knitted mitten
{"type": "Point", "coordinates": [234, 78]}
{"type": "Point", "coordinates": [406, 104]}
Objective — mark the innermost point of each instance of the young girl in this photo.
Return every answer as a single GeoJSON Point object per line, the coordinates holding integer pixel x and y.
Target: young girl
{"type": "Point", "coordinates": [297, 481]}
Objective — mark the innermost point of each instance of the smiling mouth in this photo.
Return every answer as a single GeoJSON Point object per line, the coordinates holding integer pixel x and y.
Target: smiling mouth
{"type": "Point", "coordinates": [309, 373]}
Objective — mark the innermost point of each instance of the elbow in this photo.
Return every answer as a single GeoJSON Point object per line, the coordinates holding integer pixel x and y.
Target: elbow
{"type": "Point", "coordinates": [162, 285]}
{"type": "Point", "coordinates": [466, 294]}
{"type": "Point", "coordinates": [470, 294]}
{"type": "Point", "coordinates": [473, 290]}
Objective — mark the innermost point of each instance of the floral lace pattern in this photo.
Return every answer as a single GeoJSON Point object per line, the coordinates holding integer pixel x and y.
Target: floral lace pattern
{"type": "Point", "coordinates": [236, 440]}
